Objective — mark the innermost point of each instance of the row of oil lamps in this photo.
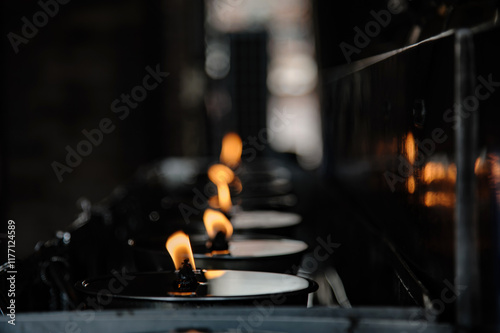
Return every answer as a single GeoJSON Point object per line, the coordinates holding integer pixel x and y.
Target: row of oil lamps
{"type": "Point", "coordinates": [220, 267]}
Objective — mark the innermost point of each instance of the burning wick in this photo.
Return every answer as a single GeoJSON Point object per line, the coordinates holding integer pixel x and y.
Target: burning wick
{"type": "Point", "coordinates": [186, 279]}
{"type": "Point", "coordinates": [219, 230]}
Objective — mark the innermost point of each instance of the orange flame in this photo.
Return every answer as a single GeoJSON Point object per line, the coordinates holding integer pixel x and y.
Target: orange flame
{"type": "Point", "coordinates": [179, 247]}
{"type": "Point", "coordinates": [221, 176]}
{"type": "Point", "coordinates": [232, 147]}
{"type": "Point", "coordinates": [215, 221]}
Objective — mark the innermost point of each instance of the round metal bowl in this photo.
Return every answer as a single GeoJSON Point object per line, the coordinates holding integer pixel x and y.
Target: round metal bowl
{"type": "Point", "coordinates": [215, 287]}
{"type": "Point", "coordinates": [247, 252]}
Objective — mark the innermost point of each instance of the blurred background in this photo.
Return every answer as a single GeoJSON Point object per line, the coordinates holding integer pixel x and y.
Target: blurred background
{"type": "Point", "coordinates": [149, 80]}
{"type": "Point", "coordinates": [232, 64]}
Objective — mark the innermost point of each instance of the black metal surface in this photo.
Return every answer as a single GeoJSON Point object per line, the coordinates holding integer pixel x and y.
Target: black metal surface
{"type": "Point", "coordinates": [281, 256]}
{"type": "Point", "coordinates": [223, 287]}
{"type": "Point", "coordinates": [402, 150]}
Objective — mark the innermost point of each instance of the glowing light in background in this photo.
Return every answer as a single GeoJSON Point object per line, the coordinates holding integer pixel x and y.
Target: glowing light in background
{"type": "Point", "coordinates": [292, 72]}
{"type": "Point", "coordinates": [231, 150]}
{"type": "Point", "coordinates": [292, 75]}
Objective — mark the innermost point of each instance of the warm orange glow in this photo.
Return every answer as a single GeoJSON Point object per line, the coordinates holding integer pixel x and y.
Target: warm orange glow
{"type": "Point", "coordinates": [224, 196]}
{"type": "Point", "coordinates": [232, 146]}
{"type": "Point", "coordinates": [452, 172]}
{"type": "Point", "coordinates": [433, 171]}
{"type": "Point", "coordinates": [221, 176]}
{"type": "Point", "coordinates": [411, 184]}
{"type": "Point", "coordinates": [494, 161]}
{"type": "Point", "coordinates": [439, 199]}
{"type": "Point", "coordinates": [215, 221]}
{"type": "Point", "coordinates": [410, 147]}
{"type": "Point", "coordinates": [236, 185]}
{"type": "Point", "coordinates": [213, 201]}
{"type": "Point", "coordinates": [179, 247]}
{"type": "Point", "coordinates": [213, 274]}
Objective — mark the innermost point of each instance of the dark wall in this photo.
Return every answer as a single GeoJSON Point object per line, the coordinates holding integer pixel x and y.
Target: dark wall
{"type": "Point", "coordinates": [64, 78]}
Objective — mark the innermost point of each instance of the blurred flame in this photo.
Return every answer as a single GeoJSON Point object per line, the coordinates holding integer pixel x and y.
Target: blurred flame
{"type": "Point", "coordinates": [213, 201]}
{"type": "Point", "coordinates": [232, 147]}
{"type": "Point", "coordinates": [236, 185]}
{"type": "Point", "coordinates": [410, 147]}
{"type": "Point", "coordinates": [439, 199]}
{"type": "Point", "coordinates": [179, 248]}
{"type": "Point", "coordinates": [213, 274]}
{"type": "Point", "coordinates": [215, 221]}
{"type": "Point", "coordinates": [221, 176]}
{"type": "Point", "coordinates": [411, 184]}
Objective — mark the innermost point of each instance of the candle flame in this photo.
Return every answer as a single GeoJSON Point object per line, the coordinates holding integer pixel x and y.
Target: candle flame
{"type": "Point", "coordinates": [215, 221]}
{"type": "Point", "coordinates": [232, 147]}
{"type": "Point", "coordinates": [221, 176]}
{"type": "Point", "coordinates": [179, 248]}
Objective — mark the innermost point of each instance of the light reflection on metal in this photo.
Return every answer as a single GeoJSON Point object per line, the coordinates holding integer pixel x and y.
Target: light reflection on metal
{"type": "Point", "coordinates": [494, 162]}
{"type": "Point", "coordinates": [411, 185]}
{"type": "Point", "coordinates": [445, 199]}
{"type": "Point", "coordinates": [410, 148]}
{"type": "Point", "coordinates": [438, 171]}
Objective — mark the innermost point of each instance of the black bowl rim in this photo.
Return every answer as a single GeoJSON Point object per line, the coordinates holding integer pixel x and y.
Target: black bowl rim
{"type": "Point", "coordinates": [312, 287]}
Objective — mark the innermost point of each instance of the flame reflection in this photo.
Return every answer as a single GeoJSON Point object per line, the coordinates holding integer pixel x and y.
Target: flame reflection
{"type": "Point", "coordinates": [410, 147]}
{"type": "Point", "coordinates": [445, 199]}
